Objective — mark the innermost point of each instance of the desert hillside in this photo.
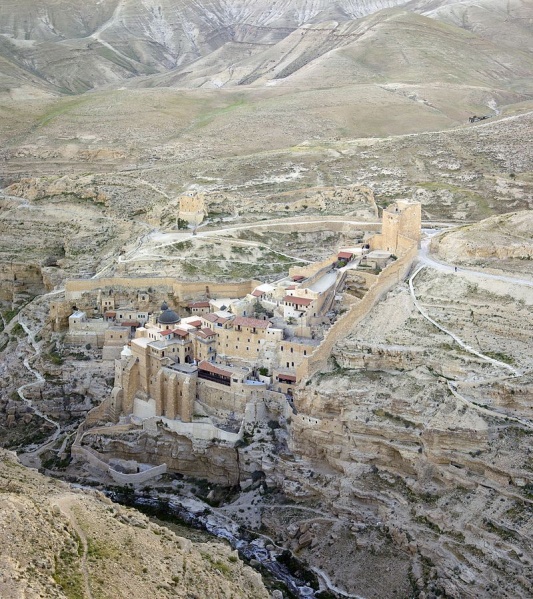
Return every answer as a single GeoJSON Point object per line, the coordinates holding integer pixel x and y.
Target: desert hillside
{"type": "Point", "coordinates": [62, 542]}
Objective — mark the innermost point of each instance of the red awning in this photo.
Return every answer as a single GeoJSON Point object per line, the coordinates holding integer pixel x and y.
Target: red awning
{"type": "Point", "coordinates": [130, 323]}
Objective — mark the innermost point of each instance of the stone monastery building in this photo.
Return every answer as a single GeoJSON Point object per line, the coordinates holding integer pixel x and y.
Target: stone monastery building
{"type": "Point", "coordinates": [216, 359]}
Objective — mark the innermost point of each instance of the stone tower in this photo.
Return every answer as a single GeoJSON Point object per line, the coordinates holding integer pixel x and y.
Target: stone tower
{"type": "Point", "coordinates": [401, 226]}
{"type": "Point", "coordinates": [193, 209]}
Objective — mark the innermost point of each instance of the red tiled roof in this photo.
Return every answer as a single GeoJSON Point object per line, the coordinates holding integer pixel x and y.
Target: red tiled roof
{"type": "Point", "coordinates": [258, 293]}
{"type": "Point", "coordinates": [166, 333]}
{"type": "Point", "coordinates": [298, 278]}
{"type": "Point", "coordinates": [345, 255]}
{"type": "Point", "coordinates": [130, 323]}
{"type": "Point", "coordinates": [198, 305]}
{"type": "Point", "coordinates": [110, 313]}
{"type": "Point", "coordinates": [205, 333]}
{"type": "Point", "coordinates": [210, 317]}
{"type": "Point", "coordinates": [181, 332]}
{"type": "Point", "coordinates": [299, 301]}
{"type": "Point", "coordinates": [195, 323]}
{"type": "Point", "coordinates": [291, 287]}
{"type": "Point", "coordinates": [244, 321]}
{"type": "Point", "coordinates": [209, 367]}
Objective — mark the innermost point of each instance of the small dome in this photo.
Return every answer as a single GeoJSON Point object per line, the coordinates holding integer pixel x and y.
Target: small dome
{"type": "Point", "coordinates": [168, 317]}
{"type": "Point", "coordinates": [164, 306]}
{"type": "Point", "coordinates": [126, 352]}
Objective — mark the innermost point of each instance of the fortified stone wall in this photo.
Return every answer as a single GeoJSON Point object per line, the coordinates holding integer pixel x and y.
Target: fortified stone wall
{"type": "Point", "coordinates": [315, 270]}
{"type": "Point", "coordinates": [387, 279]}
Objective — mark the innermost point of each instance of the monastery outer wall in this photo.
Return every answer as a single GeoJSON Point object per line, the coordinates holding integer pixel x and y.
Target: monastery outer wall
{"type": "Point", "coordinates": [313, 269]}
{"type": "Point", "coordinates": [182, 289]}
{"type": "Point", "coordinates": [386, 280]}
{"type": "Point", "coordinates": [196, 431]}
{"type": "Point", "coordinates": [91, 456]}
{"type": "Point", "coordinates": [314, 227]}
{"type": "Point", "coordinates": [83, 285]}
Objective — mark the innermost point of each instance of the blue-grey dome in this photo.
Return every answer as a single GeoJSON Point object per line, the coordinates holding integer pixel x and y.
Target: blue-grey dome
{"type": "Point", "coordinates": [167, 315]}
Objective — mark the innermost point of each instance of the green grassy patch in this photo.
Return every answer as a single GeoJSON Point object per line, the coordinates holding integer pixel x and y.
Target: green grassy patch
{"type": "Point", "coordinates": [67, 573]}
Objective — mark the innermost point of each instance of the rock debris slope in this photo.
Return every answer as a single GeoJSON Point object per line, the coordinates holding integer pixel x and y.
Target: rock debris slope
{"type": "Point", "coordinates": [58, 542]}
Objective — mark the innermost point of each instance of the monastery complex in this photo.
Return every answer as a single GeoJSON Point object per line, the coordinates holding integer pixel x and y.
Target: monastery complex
{"type": "Point", "coordinates": [204, 359]}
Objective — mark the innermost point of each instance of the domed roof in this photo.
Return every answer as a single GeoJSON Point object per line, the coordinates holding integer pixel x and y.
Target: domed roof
{"type": "Point", "coordinates": [167, 315]}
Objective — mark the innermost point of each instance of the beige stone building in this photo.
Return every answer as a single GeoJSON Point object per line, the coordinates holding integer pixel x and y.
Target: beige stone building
{"type": "Point", "coordinates": [249, 340]}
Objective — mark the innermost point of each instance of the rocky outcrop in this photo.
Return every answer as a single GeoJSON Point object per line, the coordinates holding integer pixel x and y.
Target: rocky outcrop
{"type": "Point", "coordinates": [382, 443]}
{"type": "Point", "coordinates": [37, 189]}
{"type": "Point", "coordinates": [493, 241]}
{"type": "Point", "coordinates": [215, 462]}
{"type": "Point", "coordinates": [20, 280]}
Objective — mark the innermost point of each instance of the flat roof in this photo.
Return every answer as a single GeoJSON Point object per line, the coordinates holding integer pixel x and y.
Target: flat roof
{"type": "Point", "coordinates": [142, 341]}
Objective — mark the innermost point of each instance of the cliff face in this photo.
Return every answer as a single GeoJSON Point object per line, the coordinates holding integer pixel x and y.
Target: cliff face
{"type": "Point", "coordinates": [214, 462]}
{"type": "Point", "coordinates": [504, 241]}
{"type": "Point", "coordinates": [442, 474]}
{"type": "Point", "coordinates": [59, 542]}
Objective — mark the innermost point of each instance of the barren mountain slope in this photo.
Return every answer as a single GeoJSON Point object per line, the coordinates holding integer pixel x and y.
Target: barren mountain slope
{"type": "Point", "coordinates": [75, 49]}
{"type": "Point", "coordinates": [58, 542]}
{"type": "Point", "coordinates": [505, 22]}
{"type": "Point", "coordinates": [388, 46]}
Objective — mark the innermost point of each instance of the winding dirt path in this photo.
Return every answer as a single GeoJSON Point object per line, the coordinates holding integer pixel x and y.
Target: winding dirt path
{"type": "Point", "coordinates": [64, 503]}
{"type": "Point", "coordinates": [428, 262]}
{"type": "Point", "coordinates": [32, 458]}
